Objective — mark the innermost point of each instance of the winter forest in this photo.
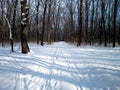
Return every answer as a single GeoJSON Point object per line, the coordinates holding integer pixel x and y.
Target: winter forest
{"type": "Point", "coordinates": [76, 21]}
{"type": "Point", "coordinates": [59, 44]}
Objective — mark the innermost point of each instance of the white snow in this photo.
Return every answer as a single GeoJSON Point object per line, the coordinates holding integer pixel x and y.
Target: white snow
{"type": "Point", "coordinates": [60, 67]}
{"type": "Point", "coordinates": [23, 14]}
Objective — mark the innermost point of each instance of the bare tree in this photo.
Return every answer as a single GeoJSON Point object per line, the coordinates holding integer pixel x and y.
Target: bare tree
{"type": "Point", "coordinates": [80, 23]}
{"type": "Point", "coordinates": [103, 21]}
{"type": "Point", "coordinates": [13, 24]}
{"type": "Point", "coordinates": [87, 17]}
{"type": "Point", "coordinates": [43, 24]}
{"type": "Point", "coordinates": [37, 21]}
{"type": "Point", "coordinates": [49, 21]}
{"type": "Point", "coordinates": [24, 28]}
{"type": "Point", "coordinates": [115, 15]}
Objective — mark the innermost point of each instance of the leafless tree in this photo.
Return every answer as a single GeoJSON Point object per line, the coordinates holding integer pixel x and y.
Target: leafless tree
{"type": "Point", "coordinates": [24, 28]}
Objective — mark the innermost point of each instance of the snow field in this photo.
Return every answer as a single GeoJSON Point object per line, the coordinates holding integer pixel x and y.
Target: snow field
{"type": "Point", "coordinates": [60, 67]}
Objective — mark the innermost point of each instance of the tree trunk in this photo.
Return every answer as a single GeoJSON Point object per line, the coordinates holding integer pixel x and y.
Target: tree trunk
{"type": "Point", "coordinates": [103, 23]}
{"type": "Point", "coordinates": [80, 24]}
{"type": "Point", "coordinates": [24, 28]}
{"type": "Point", "coordinates": [92, 23]}
{"type": "Point", "coordinates": [108, 24]}
{"type": "Point", "coordinates": [37, 21]}
{"type": "Point", "coordinates": [43, 26]}
{"type": "Point", "coordinates": [71, 21]}
{"type": "Point", "coordinates": [86, 12]}
{"type": "Point", "coordinates": [119, 37]}
{"type": "Point", "coordinates": [48, 23]}
{"type": "Point", "coordinates": [13, 26]}
{"type": "Point", "coordinates": [115, 15]}
{"type": "Point", "coordinates": [1, 24]}
{"type": "Point", "coordinates": [101, 32]}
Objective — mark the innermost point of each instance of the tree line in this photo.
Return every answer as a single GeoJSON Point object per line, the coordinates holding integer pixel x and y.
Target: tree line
{"type": "Point", "coordinates": [76, 21]}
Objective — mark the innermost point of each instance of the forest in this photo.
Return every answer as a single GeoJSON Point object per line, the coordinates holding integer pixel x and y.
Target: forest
{"type": "Point", "coordinates": [59, 44]}
{"type": "Point", "coordinates": [83, 22]}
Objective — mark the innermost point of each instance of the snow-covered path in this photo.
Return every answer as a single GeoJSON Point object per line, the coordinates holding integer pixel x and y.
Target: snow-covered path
{"type": "Point", "coordinates": [60, 67]}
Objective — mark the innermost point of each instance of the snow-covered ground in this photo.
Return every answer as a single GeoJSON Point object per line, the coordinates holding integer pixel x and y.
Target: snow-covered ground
{"type": "Point", "coordinates": [60, 67]}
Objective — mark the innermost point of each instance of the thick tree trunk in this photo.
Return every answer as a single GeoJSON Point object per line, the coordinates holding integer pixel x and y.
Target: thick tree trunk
{"type": "Point", "coordinates": [24, 28]}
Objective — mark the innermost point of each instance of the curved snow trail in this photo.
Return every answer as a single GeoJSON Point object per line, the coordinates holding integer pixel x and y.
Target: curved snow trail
{"type": "Point", "coordinates": [60, 67]}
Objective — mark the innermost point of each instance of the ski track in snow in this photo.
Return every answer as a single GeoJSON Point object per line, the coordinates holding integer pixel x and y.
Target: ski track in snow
{"type": "Point", "coordinates": [60, 67]}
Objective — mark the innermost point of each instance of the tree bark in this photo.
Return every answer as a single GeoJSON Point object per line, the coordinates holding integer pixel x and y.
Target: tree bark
{"type": "Point", "coordinates": [103, 23]}
{"type": "Point", "coordinates": [114, 22]}
{"type": "Point", "coordinates": [80, 24]}
{"type": "Point", "coordinates": [92, 23]}
{"type": "Point", "coordinates": [37, 22]}
{"type": "Point", "coordinates": [24, 28]}
{"type": "Point", "coordinates": [43, 26]}
{"type": "Point", "coordinates": [119, 37]}
{"type": "Point", "coordinates": [86, 21]}
{"type": "Point", "coordinates": [13, 26]}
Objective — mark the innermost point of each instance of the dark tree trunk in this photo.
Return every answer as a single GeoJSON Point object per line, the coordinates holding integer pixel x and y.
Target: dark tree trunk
{"type": "Point", "coordinates": [96, 20]}
{"type": "Point", "coordinates": [109, 21]}
{"type": "Point", "coordinates": [24, 28]}
{"type": "Point", "coordinates": [2, 38]}
{"type": "Point", "coordinates": [115, 15]}
{"type": "Point", "coordinates": [37, 21]}
{"type": "Point", "coordinates": [86, 12]}
{"type": "Point", "coordinates": [80, 24]}
{"type": "Point", "coordinates": [43, 26]}
{"type": "Point", "coordinates": [55, 34]}
{"type": "Point", "coordinates": [103, 23]}
{"type": "Point", "coordinates": [101, 32]}
{"type": "Point", "coordinates": [119, 37]}
{"type": "Point", "coordinates": [49, 24]}
{"type": "Point", "coordinates": [1, 24]}
{"type": "Point", "coordinates": [13, 26]}
{"type": "Point", "coordinates": [71, 22]}
{"type": "Point", "coordinates": [92, 23]}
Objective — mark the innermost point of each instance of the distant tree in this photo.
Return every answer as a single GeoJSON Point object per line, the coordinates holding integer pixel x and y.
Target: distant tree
{"type": "Point", "coordinates": [37, 21]}
{"type": "Point", "coordinates": [13, 25]}
{"type": "Point", "coordinates": [109, 22]}
{"type": "Point", "coordinates": [71, 10]}
{"type": "Point", "coordinates": [114, 22]}
{"type": "Point", "coordinates": [49, 22]}
{"type": "Point", "coordinates": [86, 20]}
{"type": "Point", "coordinates": [103, 21]}
{"type": "Point", "coordinates": [92, 22]}
{"type": "Point", "coordinates": [79, 41]}
{"type": "Point", "coordinates": [43, 23]}
{"type": "Point", "coordinates": [119, 37]}
{"type": "Point", "coordinates": [80, 21]}
{"type": "Point", "coordinates": [2, 33]}
{"type": "Point", "coordinates": [56, 17]}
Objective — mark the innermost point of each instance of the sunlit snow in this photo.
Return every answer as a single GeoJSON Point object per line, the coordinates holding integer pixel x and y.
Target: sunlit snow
{"type": "Point", "coordinates": [60, 66]}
